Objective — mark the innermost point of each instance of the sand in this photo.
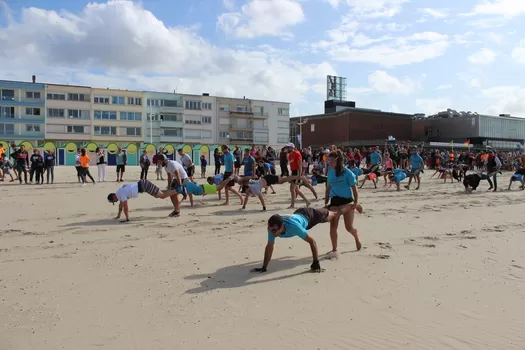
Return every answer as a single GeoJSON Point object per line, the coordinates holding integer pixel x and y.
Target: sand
{"type": "Point", "coordinates": [439, 270]}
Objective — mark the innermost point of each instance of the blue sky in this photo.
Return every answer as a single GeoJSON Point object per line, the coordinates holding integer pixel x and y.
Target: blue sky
{"type": "Point", "coordinates": [406, 56]}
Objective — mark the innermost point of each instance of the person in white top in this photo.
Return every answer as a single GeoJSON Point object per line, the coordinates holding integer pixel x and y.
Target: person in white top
{"type": "Point", "coordinates": [129, 191]}
{"type": "Point", "coordinates": [177, 178]}
{"type": "Point", "coordinates": [78, 167]}
{"type": "Point", "coordinates": [187, 163]}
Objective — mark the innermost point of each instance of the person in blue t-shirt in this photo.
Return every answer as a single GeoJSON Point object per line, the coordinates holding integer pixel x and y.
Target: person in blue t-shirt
{"type": "Point", "coordinates": [296, 225]}
{"type": "Point", "coordinates": [416, 165]}
{"type": "Point", "coordinates": [341, 191]}
{"type": "Point", "coordinates": [517, 177]}
{"type": "Point", "coordinates": [229, 159]}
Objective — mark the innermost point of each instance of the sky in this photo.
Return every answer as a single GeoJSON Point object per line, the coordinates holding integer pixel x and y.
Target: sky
{"type": "Point", "coordinates": [408, 56]}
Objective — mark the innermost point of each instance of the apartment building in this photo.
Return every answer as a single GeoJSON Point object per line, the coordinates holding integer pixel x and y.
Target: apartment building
{"type": "Point", "coordinates": [117, 115]}
{"type": "Point", "coordinates": [22, 111]}
{"type": "Point", "coordinates": [68, 113]}
{"type": "Point", "coordinates": [247, 122]}
{"type": "Point", "coordinates": [164, 121]}
{"type": "Point", "coordinates": [200, 119]}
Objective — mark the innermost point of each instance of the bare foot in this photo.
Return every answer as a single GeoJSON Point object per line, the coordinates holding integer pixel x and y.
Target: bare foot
{"type": "Point", "coordinates": [356, 237]}
{"type": "Point", "coordinates": [308, 204]}
{"type": "Point", "coordinates": [291, 207]}
{"type": "Point", "coordinates": [225, 203]}
{"type": "Point", "coordinates": [359, 209]}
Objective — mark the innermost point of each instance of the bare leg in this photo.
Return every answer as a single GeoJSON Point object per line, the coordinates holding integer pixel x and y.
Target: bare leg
{"type": "Point", "coordinates": [246, 197]}
{"type": "Point", "coordinates": [298, 191]}
{"type": "Point", "coordinates": [294, 194]}
{"type": "Point", "coordinates": [349, 225]}
{"type": "Point", "coordinates": [166, 194]}
{"type": "Point", "coordinates": [175, 201]}
{"type": "Point", "coordinates": [261, 199]}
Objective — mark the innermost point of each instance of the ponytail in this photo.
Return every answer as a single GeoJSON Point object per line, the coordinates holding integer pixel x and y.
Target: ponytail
{"type": "Point", "coordinates": [339, 167]}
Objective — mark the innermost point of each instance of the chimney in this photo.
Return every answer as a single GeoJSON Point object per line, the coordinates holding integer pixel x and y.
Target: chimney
{"type": "Point", "coordinates": [244, 97]}
{"type": "Point", "coordinates": [205, 94]}
{"type": "Point", "coordinates": [34, 78]}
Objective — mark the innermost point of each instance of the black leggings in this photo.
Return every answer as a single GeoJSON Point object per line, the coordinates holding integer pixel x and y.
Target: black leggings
{"type": "Point", "coordinates": [284, 170]}
{"type": "Point", "coordinates": [144, 173]}
{"type": "Point", "coordinates": [39, 172]}
{"type": "Point", "coordinates": [217, 168]}
{"type": "Point", "coordinates": [21, 169]}
{"type": "Point", "coordinates": [85, 172]}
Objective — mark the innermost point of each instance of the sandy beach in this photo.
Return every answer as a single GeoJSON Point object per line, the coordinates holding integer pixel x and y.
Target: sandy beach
{"type": "Point", "coordinates": [440, 269]}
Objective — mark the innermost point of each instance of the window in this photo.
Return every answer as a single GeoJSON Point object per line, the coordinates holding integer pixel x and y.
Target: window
{"type": "Point", "coordinates": [8, 95]}
{"type": "Point", "coordinates": [206, 105]}
{"type": "Point", "coordinates": [283, 111]}
{"type": "Point", "coordinates": [242, 108]}
{"type": "Point", "coordinates": [193, 120]}
{"type": "Point", "coordinates": [282, 138]}
{"type": "Point", "coordinates": [7, 129]}
{"type": "Point", "coordinates": [131, 116]}
{"type": "Point", "coordinates": [78, 114]}
{"type": "Point", "coordinates": [243, 135]}
{"type": "Point", "coordinates": [101, 100]}
{"type": "Point", "coordinates": [155, 103]}
{"type": "Point", "coordinates": [153, 117]}
{"type": "Point", "coordinates": [33, 127]}
{"type": "Point", "coordinates": [106, 130]}
{"type": "Point", "coordinates": [105, 115]}
{"type": "Point", "coordinates": [224, 108]}
{"type": "Point", "coordinates": [171, 117]}
{"type": "Point", "coordinates": [32, 111]}
{"type": "Point", "coordinates": [60, 97]}
{"type": "Point", "coordinates": [193, 104]}
{"type": "Point", "coordinates": [117, 100]}
{"type": "Point", "coordinates": [171, 103]}
{"type": "Point", "coordinates": [55, 113]}
{"type": "Point", "coordinates": [77, 97]}
{"type": "Point", "coordinates": [206, 120]}
{"type": "Point", "coordinates": [224, 134]}
{"type": "Point", "coordinates": [75, 129]}
{"type": "Point", "coordinates": [192, 134]}
{"type": "Point", "coordinates": [172, 132]}
{"type": "Point", "coordinates": [133, 131]}
{"type": "Point", "coordinates": [283, 124]}
{"type": "Point", "coordinates": [33, 95]}
{"type": "Point", "coordinates": [257, 110]}
{"type": "Point", "coordinates": [135, 101]}
{"type": "Point", "coordinates": [7, 112]}
{"type": "Point", "coordinates": [206, 134]}
{"type": "Point", "coordinates": [261, 138]}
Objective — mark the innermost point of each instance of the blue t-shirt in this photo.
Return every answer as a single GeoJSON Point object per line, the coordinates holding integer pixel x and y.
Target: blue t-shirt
{"type": "Point", "coordinates": [294, 225]}
{"type": "Point", "coordinates": [217, 179]}
{"type": "Point", "coordinates": [228, 162]}
{"type": "Point", "coordinates": [193, 188]}
{"type": "Point", "coordinates": [517, 177]}
{"type": "Point", "coordinates": [416, 161]}
{"type": "Point", "coordinates": [341, 186]}
{"type": "Point", "coordinates": [248, 165]}
{"type": "Point", "coordinates": [375, 158]}
{"type": "Point", "coordinates": [120, 158]}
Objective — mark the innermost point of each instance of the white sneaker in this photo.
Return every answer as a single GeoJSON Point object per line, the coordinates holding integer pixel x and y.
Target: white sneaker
{"type": "Point", "coordinates": [332, 255]}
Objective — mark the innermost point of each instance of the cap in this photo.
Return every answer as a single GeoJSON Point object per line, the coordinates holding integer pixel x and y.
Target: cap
{"type": "Point", "coordinates": [290, 145]}
{"type": "Point", "coordinates": [110, 198]}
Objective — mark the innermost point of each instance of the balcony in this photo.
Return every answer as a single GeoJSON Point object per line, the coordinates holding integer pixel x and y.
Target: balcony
{"type": "Point", "coordinates": [171, 124]}
{"type": "Point", "coordinates": [260, 115]}
{"type": "Point", "coordinates": [169, 139]}
{"type": "Point", "coordinates": [23, 135]}
{"type": "Point", "coordinates": [236, 127]}
{"type": "Point", "coordinates": [247, 113]}
{"type": "Point", "coordinates": [241, 136]}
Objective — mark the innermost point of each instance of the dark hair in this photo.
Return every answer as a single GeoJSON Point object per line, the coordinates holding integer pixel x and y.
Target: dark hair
{"type": "Point", "coordinates": [209, 178]}
{"type": "Point", "coordinates": [339, 167]}
{"type": "Point", "coordinates": [98, 149]}
{"type": "Point", "coordinates": [110, 197]}
{"type": "Point", "coordinates": [83, 151]}
{"type": "Point", "coordinates": [276, 220]}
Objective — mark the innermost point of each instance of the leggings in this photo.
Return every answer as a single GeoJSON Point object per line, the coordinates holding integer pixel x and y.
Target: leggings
{"type": "Point", "coordinates": [85, 172]}
{"type": "Point", "coordinates": [39, 172]}
{"type": "Point", "coordinates": [217, 168]}
{"type": "Point", "coordinates": [51, 173]}
{"type": "Point", "coordinates": [79, 173]}
{"type": "Point", "coordinates": [284, 170]}
{"type": "Point", "coordinates": [21, 169]}
{"type": "Point", "coordinates": [144, 173]}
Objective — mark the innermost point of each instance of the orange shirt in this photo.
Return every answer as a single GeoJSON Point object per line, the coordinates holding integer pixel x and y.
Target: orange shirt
{"type": "Point", "coordinates": [295, 160]}
{"type": "Point", "coordinates": [84, 161]}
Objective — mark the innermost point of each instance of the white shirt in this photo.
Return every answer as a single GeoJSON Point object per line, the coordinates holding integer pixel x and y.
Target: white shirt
{"type": "Point", "coordinates": [186, 161]}
{"type": "Point", "coordinates": [172, 167]}
{"type": "Point", "coordinates": [128, 191]}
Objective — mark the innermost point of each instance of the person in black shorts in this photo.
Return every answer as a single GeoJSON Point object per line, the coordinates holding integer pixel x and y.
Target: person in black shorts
{"type": "Point", "coordinates": [297, 225]}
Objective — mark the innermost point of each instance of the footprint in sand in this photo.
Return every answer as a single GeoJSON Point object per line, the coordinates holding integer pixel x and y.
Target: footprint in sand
{"type": "Point", "coordinates": [384, 245]}
{"type": "Point", "coordinates": [429, 245]}
{"type": "Point", "coordinates": [382, 256]}
{"type": "Point", "coordinates": [517, 266]}
{"type": "Point", "coordinates": [470, 237]}
{"type": "Point", "coordinates": [431, 238]}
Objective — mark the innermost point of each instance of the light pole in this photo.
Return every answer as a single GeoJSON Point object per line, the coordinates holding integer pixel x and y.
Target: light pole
{"type": "Point", "coordinates": [301, 123]}
{"type": "Point", "coordinates": [150, 124]}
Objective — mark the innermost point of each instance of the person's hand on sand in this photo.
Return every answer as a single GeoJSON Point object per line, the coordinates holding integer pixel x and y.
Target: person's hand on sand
{"type": "Point", "coordinates": [259, 269]}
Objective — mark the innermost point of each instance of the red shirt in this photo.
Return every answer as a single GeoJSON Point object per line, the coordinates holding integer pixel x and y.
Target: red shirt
{"type": "Point", "coordinates": [295, 160]}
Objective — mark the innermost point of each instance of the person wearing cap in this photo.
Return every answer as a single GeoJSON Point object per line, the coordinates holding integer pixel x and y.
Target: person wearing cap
{"type": "Point", "coordinates": [297, 225]}
{"type": "Point", "coordinates": [296, 165]}
{"type": "Point", "coordinates": [132, 190]}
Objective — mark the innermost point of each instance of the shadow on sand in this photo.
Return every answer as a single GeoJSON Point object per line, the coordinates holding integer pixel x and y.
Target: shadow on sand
{"type": "Point", "coordinates": [236, 276]}
{"type": "Point", "coordinates": [106, 222]}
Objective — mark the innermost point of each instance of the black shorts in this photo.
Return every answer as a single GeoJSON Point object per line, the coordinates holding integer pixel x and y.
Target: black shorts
{"type": "Point", "coordinates": [190, 171]}
{"type": "Point", "coordinates": [314, 216]}
{"type": "Point", "coordinates": [237, 164]}
{"type": "Point", "coordinates": [375, 169]}
{"type": "Point", "coordinates": [271, 179]}
{"type": "Point", "coordinates": [121, 168]}
{"type": "Point", "coordinates": [295, 173]}
{"type": "Point", "coordinates": [339, 201]}
{"type": "Point", "coordinates": [227, 174]}
{"type": "Point", "coordinates": [388, 169]}
{"type": "Point", "coordinates": [520, 171]}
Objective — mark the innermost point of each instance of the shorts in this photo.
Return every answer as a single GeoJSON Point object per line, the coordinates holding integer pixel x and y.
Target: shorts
{"type": "Point", "coordinates": [176, 185]}
{"type": "Point", "coordinates": [339, 201]}
{"type": "Point", "coordinates": [314, 216]}
{"type": "Point", "coordinates": [271, 179]}
{"type": "Point", "coordinates": [255, 187]}
{"type": "Point", "coordinates": [121, 168]}
{"type": "Point", "coordinates": [227, 174]}
{"type": "Point", "coordinates": [295, 173]}
{"type": "Point", "coordinates": [190, 171]}
{"type": "Point", "coordinates": [203, 168]}
{"type": "Point", "coordinates": [237, 164]}
{"type": "Point", "coordinates": [520, 171]}
{"type": "Point", "coordinates": [375, 169]}
{"type": "Point", "coordinates": [415, 172]}
{"type": "Point", "coordinates": [148, 187]}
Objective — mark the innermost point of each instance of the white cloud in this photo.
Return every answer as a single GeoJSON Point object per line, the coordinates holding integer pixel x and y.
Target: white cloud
{"type": "Point", "coordinates": [401, 51]}
{"type": "Point", "coordinates": [434, 13]}
{"type": "Point", "coordinates": [371, 8]}
{"type": "Point", "coordinates": [433, 105]}
{"type": "Point", "coordinates": [139, 52]}
{"type": "Point", "coordinates": [483, 56]}
{"type": "Point", "coordinates": [262, 18]}
{"type": "Point", "coordinates": [382, 82]}
{"type": "Point", "coordinates": [444, 87]}
{"type": "Point", "coordinates": [518, 53]}
{"type": "Point", "coordinates": [228, 4]}
{"type": "Point", "coordinates": [506, 99]}
{"type": "Point", "coordinates": [507, 8]}
{"type": "Point", "coordinates": [493, 37]}
{"type": "Point", "coordinates": [361, 40]}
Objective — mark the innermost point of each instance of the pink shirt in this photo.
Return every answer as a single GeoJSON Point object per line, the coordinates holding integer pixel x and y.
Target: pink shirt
{"type": "Point", "coordinates": [388, 163]}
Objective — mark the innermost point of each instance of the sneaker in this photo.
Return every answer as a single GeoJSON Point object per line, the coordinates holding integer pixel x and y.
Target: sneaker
{"type": "Point", "coordinates": [332, 255]}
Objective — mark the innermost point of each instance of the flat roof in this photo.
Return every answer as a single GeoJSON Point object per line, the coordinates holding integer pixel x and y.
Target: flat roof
{"type": "Point", "coordinates": [349, 110]}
